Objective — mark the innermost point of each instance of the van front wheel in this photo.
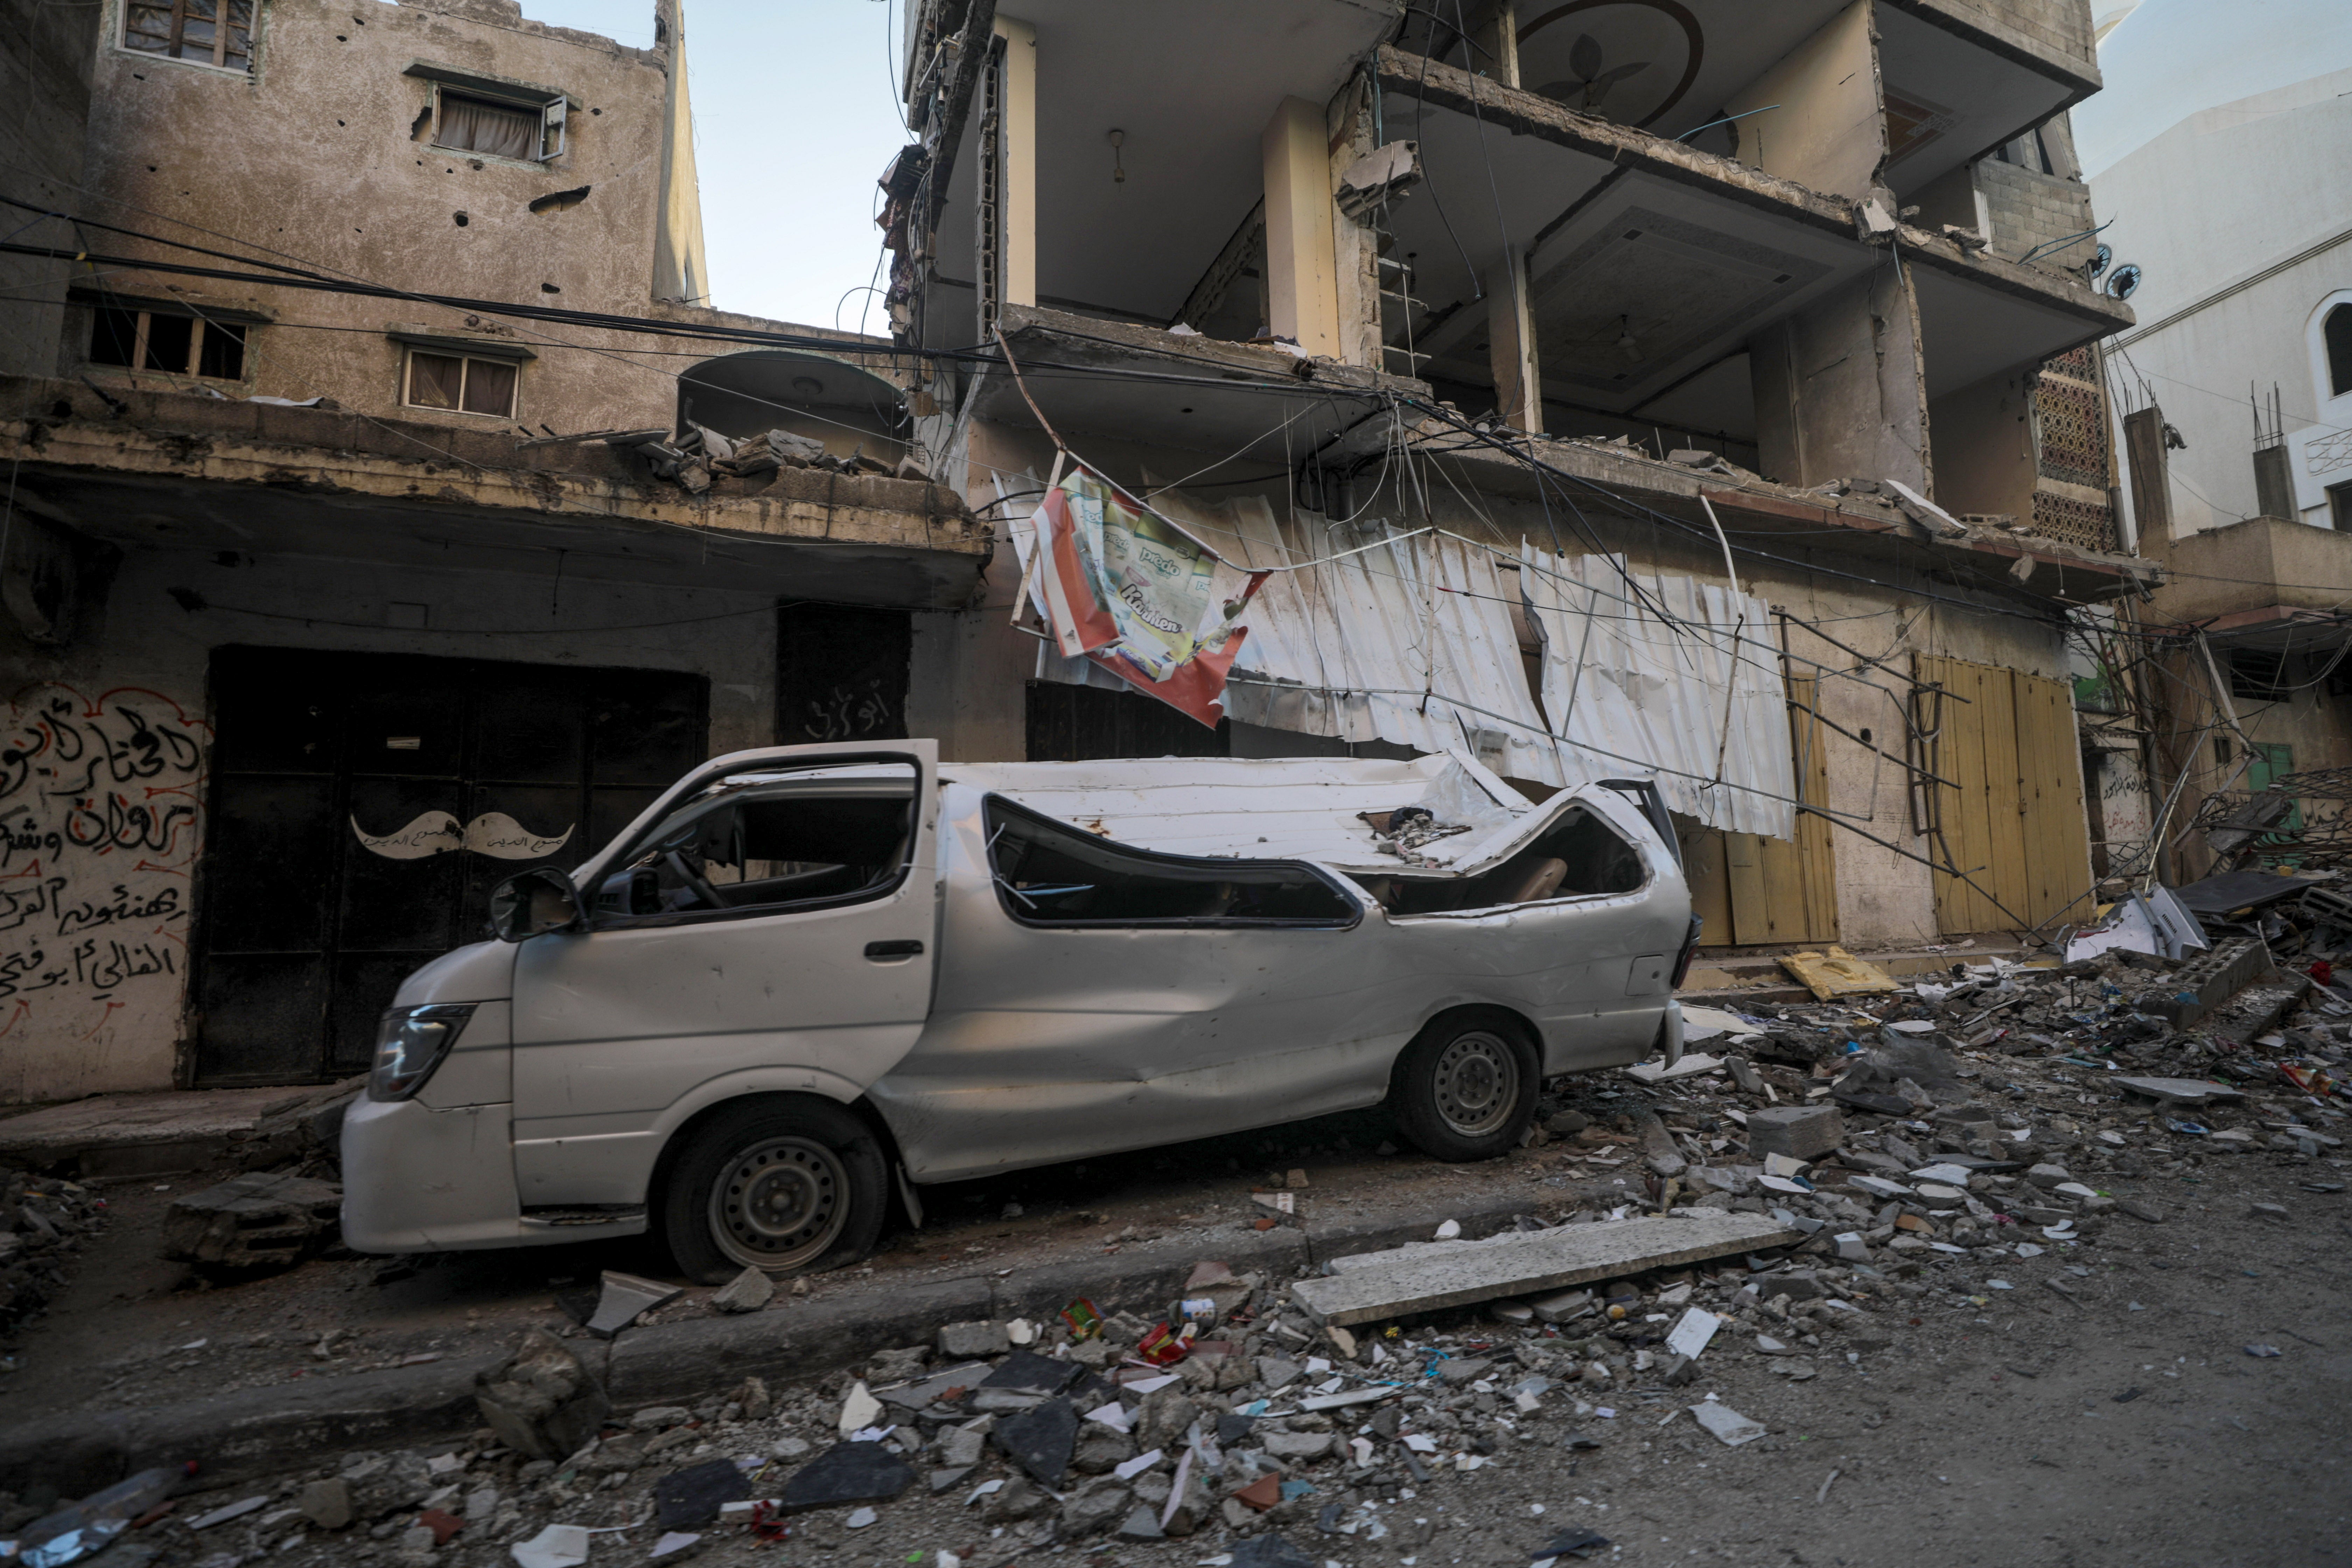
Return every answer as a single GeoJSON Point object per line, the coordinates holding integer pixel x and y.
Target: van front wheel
{"type": "Point", "coordinates": [788, 1187]}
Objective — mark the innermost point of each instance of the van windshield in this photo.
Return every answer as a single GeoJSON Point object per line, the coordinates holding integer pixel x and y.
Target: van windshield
{"type": "Point", "coordinates": [768, 839]}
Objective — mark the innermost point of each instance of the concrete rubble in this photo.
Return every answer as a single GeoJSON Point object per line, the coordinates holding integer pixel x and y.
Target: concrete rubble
{"type": "Point", "coordinates": [259, 1221]}
{"type": "Point", "coordinates": [43, 1222]}
{"type": "Point", "coordinates": [1864, 1160]}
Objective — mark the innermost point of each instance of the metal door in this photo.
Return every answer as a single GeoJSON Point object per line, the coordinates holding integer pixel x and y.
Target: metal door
{"type": "Point", "coordinates": [363, 806]}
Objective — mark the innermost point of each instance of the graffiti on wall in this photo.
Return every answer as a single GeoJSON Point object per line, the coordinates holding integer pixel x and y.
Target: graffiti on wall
{"type": "Point", "coordinates": [101, 797]}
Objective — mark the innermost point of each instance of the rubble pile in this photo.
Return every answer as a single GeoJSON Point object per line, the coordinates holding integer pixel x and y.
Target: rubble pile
{"type": "Point", "coordinates": [1928, 1126]}
{"type": "Point", "coordinates": [694, 459]}
{"type": "Point", "coordinates": [1920, 1147]}
{"type": "Point", "coordinates": [42, 1221]}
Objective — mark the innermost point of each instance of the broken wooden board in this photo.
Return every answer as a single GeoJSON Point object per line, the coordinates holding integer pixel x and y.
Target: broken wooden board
{"type": "Point", "coordinates": [1432, 1278]}
{"type": "Point", "coordinates": [1837, 972]}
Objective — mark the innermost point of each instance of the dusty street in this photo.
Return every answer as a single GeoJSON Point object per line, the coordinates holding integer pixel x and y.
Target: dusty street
{"type": "Point", "coordinates": [2162, 1380]}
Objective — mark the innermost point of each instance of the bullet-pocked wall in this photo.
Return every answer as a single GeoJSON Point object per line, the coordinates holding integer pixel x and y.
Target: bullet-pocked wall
{"type": "Point", "coordinates": [386, 144]}
{"type": "Point", "coordinates": [106, 790]}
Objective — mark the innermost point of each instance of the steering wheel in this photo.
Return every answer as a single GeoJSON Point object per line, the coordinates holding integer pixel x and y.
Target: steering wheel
{"type": "Point", "coordinates": [693, 880]}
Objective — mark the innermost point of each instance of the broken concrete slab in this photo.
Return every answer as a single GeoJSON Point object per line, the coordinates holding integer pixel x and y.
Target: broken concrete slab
{"type": "Point", "coordinates": [253, 1222]}
{"type": "Point", "coordinates": [542, 1402]}
{"type": "Point", "coordinates": [844, 1474]}
{"type": "Point", "coordinates": [2179, 1091]}
{"type": "Point", "coordinates": [1799, 1131]}
{"type": "Point", "coordinates": [1527, 1263]}
{"type": "Point", "coordinates": [1689, 1067]}
{"type": "Point", "coordinates": [626, 1297]}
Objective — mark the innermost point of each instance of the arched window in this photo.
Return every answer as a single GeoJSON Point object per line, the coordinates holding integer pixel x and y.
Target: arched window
{"type": "Point", "coordinates": [2337, 331]}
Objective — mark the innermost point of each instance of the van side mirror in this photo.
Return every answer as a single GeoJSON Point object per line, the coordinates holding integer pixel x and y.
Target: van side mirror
{"type": "Point", "coordinates": [531, 903]}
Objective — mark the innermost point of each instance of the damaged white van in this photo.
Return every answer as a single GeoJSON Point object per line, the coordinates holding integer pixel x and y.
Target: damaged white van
{"type": "Point", "coordinates": [813, 978]}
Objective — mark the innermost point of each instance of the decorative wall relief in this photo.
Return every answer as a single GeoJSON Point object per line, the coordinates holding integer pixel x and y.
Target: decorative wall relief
{"type": "Point", "coordinates": [493, 833]}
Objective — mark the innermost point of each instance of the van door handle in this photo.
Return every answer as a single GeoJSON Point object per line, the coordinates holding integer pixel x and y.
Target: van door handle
{"type": "Point", "coordinates": [880, 949]}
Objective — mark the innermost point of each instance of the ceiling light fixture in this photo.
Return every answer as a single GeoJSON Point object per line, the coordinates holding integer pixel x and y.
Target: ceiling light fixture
{"type": "Point", "coordinates": [1117, 171]}
{"type": "Point", "coordinates": [1625, 341]}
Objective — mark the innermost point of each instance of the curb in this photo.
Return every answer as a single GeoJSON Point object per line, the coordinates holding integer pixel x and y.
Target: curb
{"type": "Point", "coordinates": [258, 1431]}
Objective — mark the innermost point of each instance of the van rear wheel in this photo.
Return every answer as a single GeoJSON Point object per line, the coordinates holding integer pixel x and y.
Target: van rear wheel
{"type": "Point", "coordinates": [1466, 1088]}
{"type": "Point", "coordinates": [785, 1186]}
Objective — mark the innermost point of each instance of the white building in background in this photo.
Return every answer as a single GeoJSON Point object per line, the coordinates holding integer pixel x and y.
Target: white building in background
{"type": "Point", "coordinates": [2239, 220]}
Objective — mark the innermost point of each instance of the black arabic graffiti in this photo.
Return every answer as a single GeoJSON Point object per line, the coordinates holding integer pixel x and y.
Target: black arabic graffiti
{"type": "Point", "coordinates": [91, 964]}
{"type": "Point", "coordinates": [112, 822]}
{"type": "Point", "coordinates": [99, 820]}
{"type": "Point", "coordinates": [76, 748]}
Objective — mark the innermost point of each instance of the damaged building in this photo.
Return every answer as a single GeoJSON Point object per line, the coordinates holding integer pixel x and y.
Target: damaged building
{"type": "Point", "coordinates": [389, 512]}
{"type": "Point", "coordinates": [1705, 388]}
{"type": "Point", "coordinates": [1592, 391]}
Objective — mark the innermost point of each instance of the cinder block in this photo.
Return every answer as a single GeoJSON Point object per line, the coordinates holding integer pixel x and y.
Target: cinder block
{"type": "Point", "coordinates": [1799, 1131]}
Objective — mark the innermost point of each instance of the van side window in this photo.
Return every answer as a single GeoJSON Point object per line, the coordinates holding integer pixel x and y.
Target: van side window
{"type": "Point", "coordinates": [1049, 873]}
{"type": "Point", "coordinates": [1578, 857]}
{"type": "Point", "coordinates": [768, 840]}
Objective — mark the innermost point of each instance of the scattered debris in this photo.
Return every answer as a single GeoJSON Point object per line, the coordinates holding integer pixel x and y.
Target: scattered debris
{"type": "Point", "coordinates": [1837, 972]}
{"type": "Point", "coordinates": [544, 1401]}
{"type": "Point", "coordinates": [623, 1299]}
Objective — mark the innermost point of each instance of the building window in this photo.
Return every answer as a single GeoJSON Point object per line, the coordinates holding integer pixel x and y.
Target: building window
{"type": "Point", "coordinates": [2263, 675]}
{"type": "Point", "coordinates": [526, 133]}
{"type": "Point", "coordinates": [2339, 506]}
{"type": "Point", "coordinates": [2337, 331]}
{"type": "Point", "coordinates": [165, 341]}
{"type": "Point", "coordinates": [460, 384]}
{"type": "Point", "coordinates": [208, 32]}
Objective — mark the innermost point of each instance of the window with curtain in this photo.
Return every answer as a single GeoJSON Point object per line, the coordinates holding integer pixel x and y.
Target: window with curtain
{"type": "Point", "coordinates": [460, 384]}
{"type": "Point", "coordinates": [468, 124]}
{"type": "Point", "coordinates": [208, 32]}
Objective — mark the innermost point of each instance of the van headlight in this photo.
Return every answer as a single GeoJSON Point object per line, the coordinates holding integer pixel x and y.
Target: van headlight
{"type": "Point", "coordinates": [410, 1043]}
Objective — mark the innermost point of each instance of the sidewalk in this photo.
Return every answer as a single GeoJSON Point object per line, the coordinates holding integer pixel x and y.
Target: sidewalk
{"type": "Point", "coordinates": [161, 1133]}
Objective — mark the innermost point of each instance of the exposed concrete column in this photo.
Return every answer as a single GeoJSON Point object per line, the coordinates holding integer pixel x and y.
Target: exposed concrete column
{"type": "Point", "coordinates": [1839, 392]}
{"type": "Point", "coordinates": [1815, 116]}
{"type": "Point", "coordinates": [1301, 271]}
{"type": "Point", "coordinates": [1511, 346]}
{"type": "Point", "coordinates": [1497, 33]}
{"type": "Point", "coordinates": [1017, 134]}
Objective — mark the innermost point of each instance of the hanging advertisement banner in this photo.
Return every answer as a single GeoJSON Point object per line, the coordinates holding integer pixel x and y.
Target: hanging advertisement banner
{"type": "Point", "coordinates": [1125, 587]}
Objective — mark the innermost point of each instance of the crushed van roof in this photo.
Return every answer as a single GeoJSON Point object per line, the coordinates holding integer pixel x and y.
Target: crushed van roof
{"type": "Point", "coordinates": [1303, 808]}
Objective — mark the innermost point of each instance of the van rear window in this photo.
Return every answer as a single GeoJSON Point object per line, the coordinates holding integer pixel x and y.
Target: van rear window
{"type": "Point", "coordinates": [1049, 873]}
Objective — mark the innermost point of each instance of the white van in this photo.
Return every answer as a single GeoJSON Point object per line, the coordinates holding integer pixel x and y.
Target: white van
{"type": "Point", "coordinates": [811, 978]}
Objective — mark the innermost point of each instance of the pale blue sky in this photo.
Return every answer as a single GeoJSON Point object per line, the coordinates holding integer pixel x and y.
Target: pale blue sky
{"type": "Point", "coordinates": [796, 115]}
{"type": "Point", "coordinates": [2171, 58]}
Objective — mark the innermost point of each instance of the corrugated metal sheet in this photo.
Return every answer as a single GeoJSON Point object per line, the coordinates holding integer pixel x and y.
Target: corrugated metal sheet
{"type": "Point", "coordinates": [1657, 673]}
{"type": "Point", "coordinates": [1413, 641]}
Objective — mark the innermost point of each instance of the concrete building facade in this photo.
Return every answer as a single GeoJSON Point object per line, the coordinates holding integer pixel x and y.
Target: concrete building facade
{"type": "Point", "coordinates": [2233, 404]}
{"type": "Point", "coordinates": [379, 524]}
{"type": "Point", "coordinates": [1598, 282]}
{"type": "Point", "coordinates": [328, 602]}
